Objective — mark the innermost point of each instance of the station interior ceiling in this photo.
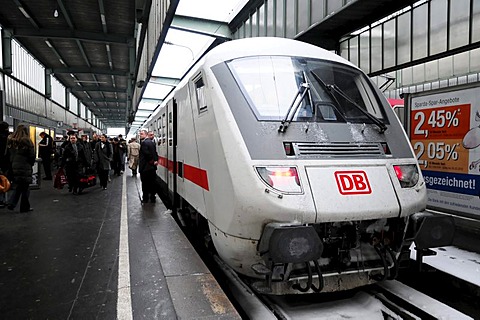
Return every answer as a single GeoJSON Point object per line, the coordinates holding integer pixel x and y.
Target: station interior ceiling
{"type": "Point", "coordinates": [91, 47]}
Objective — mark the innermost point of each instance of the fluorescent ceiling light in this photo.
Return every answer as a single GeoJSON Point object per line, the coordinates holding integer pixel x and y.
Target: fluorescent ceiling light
{"type": "Point", "coordinates": [24, 12]}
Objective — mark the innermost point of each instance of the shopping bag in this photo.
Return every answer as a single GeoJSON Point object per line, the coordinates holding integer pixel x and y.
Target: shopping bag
{"type": "Point", "coordinates": [60, 179]}
{"type": "Point", "coordinates": [88, 181]}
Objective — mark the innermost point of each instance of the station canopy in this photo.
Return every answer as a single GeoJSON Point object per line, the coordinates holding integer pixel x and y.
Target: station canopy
{"type": "Point", "coordinates": [196, 27]}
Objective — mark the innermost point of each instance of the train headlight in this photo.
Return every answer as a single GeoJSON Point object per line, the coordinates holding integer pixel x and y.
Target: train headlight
{"type": "Point", "coordinates": [407, 175]}
{"type": "Point", "coordinates": [283, 179]}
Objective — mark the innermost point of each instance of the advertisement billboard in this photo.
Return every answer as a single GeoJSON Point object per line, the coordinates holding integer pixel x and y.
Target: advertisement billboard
{"type": "Point", "coordinates": [444, 129]}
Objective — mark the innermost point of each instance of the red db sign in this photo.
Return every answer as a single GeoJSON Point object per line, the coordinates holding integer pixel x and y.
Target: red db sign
{"type": "Point", "coordinates": [352, 182]}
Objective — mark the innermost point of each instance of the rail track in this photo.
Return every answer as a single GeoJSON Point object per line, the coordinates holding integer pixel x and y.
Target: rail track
{"type": "Point", "coordinates": [386, 300]}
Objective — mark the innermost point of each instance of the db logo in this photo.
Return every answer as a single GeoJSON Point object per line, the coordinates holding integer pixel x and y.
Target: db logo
{"type": "Point", "coordinates": [352, 182]}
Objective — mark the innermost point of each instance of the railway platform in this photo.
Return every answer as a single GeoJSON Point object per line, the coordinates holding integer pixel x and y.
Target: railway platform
{"type": "Point", "coordinates": [102, 255]}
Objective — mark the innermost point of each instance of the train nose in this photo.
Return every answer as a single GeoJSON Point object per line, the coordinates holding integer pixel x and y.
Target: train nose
{"type": "Point", "coordinates": [352, 193]}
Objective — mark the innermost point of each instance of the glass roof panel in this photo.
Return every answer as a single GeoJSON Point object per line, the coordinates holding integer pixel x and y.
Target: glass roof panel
{"type": "Point", "coordinates": [143, 113]}
{"type": "Point", "coordinates": [156, 91]}
{"type": "Point", "coordinates": [179, 51]}
{"type": "Point", "coordinates": [218, 10]}
{"type": "Point", "coordinates": [147, 104]}
{"type": "Point", "coordinates": [182, 49]}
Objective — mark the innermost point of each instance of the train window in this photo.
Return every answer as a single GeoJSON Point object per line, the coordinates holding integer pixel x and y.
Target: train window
{"type": "Point", "coordinates": [311, 89]}
{"type": "Point", "coordinates": [200, 95]}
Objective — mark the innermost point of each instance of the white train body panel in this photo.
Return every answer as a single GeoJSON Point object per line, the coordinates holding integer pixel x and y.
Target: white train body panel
{"type": "Point", "coordinates": [219, 150]}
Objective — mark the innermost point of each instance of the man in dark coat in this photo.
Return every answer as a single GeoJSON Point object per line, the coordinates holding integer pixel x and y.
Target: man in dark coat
{"type": "Point", "coordinates": [87, 147]}
{"type": "Point", "coordinates": [147, 163]}
{"type": "Point", "coordinates": [102, 156]}
{"type": "Point", "coordinates": [45, 150]}
{"type": "Point", "coordinates": [94, 141]}
{"type": "Point", "coordinates": [122, 145]}
{"type": "Point", "coordinates": [75, 162]}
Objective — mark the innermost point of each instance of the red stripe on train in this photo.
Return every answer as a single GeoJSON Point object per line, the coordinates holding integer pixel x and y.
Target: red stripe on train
{"type": "Point", "coordinates": [196, 175]}
{"type": "Point", "coordinates": [162, 161]}
{"type": "Point", "coordinates": [191, 173]}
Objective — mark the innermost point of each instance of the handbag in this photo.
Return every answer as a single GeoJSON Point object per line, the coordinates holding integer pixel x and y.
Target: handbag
{"type": "Point", "coordinates": [4, 184]}
{"type": "Point", "coordinates": [60, 179]}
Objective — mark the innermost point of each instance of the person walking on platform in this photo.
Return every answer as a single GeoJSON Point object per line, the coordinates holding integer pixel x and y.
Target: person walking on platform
{"type": "Point", "coordinates": [94, 141]}
{"type": "Point", "coordinates": [117, 157]}
{"type": "Point", "coordinates": [122, 145]}
{"type": "Point", "coordinates": [21, 152]}
{"type": "Point", "coordinates": [4, 161]}
{"type": "Point", "coordinates": [133, 155]}
{"type": "Point", "coordinates": [102, 156]}
{"type": "Point", "coordinates": [147, 166]}
{"type": "Point", "coordinates": [45, 150]}
{"type": "Point", "coordinates": [74, 161]}
{"type": "Point", "coordinates": [87, 147]}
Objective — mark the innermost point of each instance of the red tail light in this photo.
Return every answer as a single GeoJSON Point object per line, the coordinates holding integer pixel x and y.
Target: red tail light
{"type": "Point", "coordinates": [407, 175]}
{"type": "Point", "coordinates": [283, 179]}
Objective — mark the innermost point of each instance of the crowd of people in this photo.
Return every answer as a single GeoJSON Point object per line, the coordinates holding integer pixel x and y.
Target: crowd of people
{"type": "Point", "coordinates": [77, 157]}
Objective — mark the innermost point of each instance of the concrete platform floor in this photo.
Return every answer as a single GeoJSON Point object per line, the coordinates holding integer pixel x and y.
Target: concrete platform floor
{"type": "Point", "coordinates": [61, 261]}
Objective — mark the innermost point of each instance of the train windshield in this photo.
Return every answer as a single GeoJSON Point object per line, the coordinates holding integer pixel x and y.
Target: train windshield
{"type": "Point", "coordinates": [280, 88]}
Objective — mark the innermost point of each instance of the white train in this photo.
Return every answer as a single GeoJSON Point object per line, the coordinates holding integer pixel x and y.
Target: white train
{"type": "Point", "coordinates": [293, 163]}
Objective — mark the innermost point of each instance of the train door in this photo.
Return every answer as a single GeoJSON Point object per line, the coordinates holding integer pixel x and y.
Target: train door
{"type": "Point", "coordinates": [172, 151]}
{"type": "Point", "coordinates": [162, 142]}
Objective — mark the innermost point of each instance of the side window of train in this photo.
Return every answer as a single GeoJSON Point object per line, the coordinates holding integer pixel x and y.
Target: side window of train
{"type": "Point", "coordinates": [170, 132]}
{"type": "Point", "coordinates": [163, 128]}
{"type": "Point", "coordinates": [200, 94]}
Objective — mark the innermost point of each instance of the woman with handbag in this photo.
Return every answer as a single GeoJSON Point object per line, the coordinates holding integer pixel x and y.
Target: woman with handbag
{"type": "Point", "coordinates": [21, 153]}
{"type": "Point", "coordinates": [102, 156]}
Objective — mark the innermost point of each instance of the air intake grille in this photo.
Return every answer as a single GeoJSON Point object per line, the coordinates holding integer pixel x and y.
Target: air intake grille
{"type": "Point", "coordinates": [338, 150]}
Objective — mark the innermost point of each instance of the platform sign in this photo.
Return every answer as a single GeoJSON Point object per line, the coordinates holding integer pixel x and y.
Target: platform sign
{"type": "Point", "coordinates": [445, 136]}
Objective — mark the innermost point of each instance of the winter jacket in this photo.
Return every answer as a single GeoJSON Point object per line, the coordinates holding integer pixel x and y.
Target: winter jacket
{"type": "Point", "coordinates": [22, 160]}
{"type": "Point", "coordinates": [70, 162]}
{"type": "Point", "coordinates": [103, 156]}
{"type": "Point", "coordinates": [148, 155]}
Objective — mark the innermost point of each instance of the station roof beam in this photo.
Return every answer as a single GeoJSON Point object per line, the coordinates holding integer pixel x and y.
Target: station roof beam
{"type": "Point", "coordinates": [86, 44]}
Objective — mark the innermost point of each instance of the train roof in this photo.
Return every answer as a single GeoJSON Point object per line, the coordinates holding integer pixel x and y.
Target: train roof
{"type": "Point", "coordinates": [267, 46]}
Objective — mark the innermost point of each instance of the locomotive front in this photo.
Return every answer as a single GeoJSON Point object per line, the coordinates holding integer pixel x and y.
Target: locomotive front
{"type": "Point", "coordinates": [332, 177]}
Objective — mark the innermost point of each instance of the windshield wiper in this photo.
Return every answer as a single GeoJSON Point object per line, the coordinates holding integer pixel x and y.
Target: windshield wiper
{"type": "Point", "coordinates": [370, 116]}
{"type": "Point", "coordinates": [329, 92]}
{"type": "Point", "coordinates": [336, 89]}
{"type": "Point", "coordinates": [302, 90]}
